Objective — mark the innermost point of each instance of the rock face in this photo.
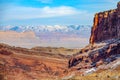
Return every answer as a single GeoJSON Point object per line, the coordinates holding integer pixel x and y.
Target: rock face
{"type": "Point", "coordinates": [106, 25]}
{"type": "Point", "coordinates": [96, 55]}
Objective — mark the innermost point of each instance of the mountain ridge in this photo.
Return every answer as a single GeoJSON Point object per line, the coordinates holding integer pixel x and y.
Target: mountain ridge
{"type": "Point", "coordinates": [47, 28]}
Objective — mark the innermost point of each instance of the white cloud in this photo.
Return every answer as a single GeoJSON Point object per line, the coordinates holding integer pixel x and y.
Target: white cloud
{"type": "Point", "coordinates": [45, 12]}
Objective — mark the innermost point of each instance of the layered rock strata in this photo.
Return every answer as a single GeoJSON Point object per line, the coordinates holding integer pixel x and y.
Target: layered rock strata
{"type": "Point", "coordinates": [106, 25]}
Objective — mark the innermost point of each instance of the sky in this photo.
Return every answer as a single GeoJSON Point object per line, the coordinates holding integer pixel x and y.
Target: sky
{"type": "Point", "coordinates": [52, 12]}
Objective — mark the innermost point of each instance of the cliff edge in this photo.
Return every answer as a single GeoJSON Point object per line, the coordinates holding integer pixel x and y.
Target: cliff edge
{"type": "Point", "coordinates": [106, 25]}
{"type": "Point", "coordinates": [106, 36]}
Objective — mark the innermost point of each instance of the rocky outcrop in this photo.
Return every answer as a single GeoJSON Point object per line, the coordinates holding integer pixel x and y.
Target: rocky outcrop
{"type": "Point", "coordinates": [106, 25]}
{"type": "Point", "coordinates": [96, 55]}
{"type": "Point", "coordinates": [106, 31]}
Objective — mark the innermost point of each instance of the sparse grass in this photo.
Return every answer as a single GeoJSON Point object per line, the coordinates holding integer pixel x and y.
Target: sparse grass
{"type": "Point", "coordinates": [100, 75]}
{"type": "Point", "coordinates": [56, 50]}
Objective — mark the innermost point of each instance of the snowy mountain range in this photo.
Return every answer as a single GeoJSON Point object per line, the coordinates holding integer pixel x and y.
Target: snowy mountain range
{"type": "Point", "coordinates": [47, 28]}
{"type": "Point", "coordinates": [72, 36]}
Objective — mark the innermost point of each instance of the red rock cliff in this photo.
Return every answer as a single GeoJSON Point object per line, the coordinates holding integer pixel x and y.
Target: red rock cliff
{"type": "Point", "coordinates": [106, 25]}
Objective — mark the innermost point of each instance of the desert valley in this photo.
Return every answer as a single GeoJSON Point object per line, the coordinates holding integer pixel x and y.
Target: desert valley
{"type": "Point", "coordinates": [91, 57]}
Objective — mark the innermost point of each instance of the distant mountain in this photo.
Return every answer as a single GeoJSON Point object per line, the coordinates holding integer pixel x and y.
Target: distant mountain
{"type": "Point", "coordinates": [48, 28]}
{"type": "Point", "coordinates": [21, 39]}
{"type": "Point", "coordinates": [72, 36]}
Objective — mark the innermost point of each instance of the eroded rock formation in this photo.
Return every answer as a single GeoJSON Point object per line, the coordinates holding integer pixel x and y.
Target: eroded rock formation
{"type": "Point", "coordinates": [34, 64]}
{"type": "Point", "coordinates": [106, 31]}
{"type": "Point", "coordinates": [96, 55]}
{"type": "Point", "coordinates": [106, 25]}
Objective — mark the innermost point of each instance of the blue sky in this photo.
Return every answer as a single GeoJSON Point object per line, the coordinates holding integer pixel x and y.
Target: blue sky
{"type": "Point", "coordinates": [52, 12]}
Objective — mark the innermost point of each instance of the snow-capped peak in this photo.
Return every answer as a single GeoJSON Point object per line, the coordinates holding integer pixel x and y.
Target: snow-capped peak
{"type": "Point", "coordinates": [47, 28]}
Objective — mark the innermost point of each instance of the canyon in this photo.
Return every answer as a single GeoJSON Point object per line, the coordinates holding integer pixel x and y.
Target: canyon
{"type": "Point", "coordinates": [99, 60]}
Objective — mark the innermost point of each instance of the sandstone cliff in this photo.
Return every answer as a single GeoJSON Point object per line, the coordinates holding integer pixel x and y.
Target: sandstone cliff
{"type": "Point", "coordinates": [106, 25]}
{"type": "Point", "coordinates": [97, 55]}
{"type": "Point", "coordinates": [106, 28]}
